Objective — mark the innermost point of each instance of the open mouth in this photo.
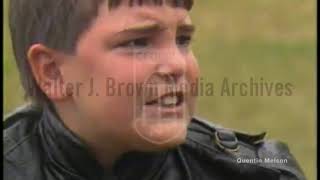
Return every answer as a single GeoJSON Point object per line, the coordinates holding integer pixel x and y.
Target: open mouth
{"type": "Point", "coordinates": [168, 100]}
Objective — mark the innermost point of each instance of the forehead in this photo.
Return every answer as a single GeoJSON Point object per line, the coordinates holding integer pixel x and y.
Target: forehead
{"type": "Point", "coordinates": [125, 15]}
{"type": "Point", "coordinates": [110, 22]}
{"type": "Point", "coordinates": [187, 4]}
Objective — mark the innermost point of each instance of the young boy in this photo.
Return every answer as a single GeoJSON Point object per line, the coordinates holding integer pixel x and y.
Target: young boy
{"type": "Point", "coordinates": [112, 84]}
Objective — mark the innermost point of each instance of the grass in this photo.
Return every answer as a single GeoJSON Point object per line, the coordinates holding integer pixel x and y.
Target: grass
{"type": "Point", "coordinates": [238, 40]}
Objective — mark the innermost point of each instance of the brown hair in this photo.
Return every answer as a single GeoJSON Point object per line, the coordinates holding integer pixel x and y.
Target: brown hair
{"type": "Point", "coordinates": [56, 24]}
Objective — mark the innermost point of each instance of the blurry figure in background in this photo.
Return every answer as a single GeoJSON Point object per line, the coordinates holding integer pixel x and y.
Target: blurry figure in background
{"type": "Point", "coordinates": [112, 85]}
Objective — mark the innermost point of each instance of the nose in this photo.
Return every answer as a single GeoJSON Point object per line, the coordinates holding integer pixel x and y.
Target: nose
{"type": "Point", "coordinates": [172, 64]}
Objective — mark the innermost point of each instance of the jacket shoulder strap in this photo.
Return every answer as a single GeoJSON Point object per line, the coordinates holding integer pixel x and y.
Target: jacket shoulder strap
{"type": "Point", "coordinates": [270, 154]}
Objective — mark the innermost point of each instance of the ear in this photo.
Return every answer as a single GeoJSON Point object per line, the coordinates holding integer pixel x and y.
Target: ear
{"type": "Point", "coordinates": [45, 65]}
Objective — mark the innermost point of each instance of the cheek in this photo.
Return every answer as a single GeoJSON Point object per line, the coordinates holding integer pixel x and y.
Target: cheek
{"type": "Point", "coordinates": [193, 70]}
{"type": "Point", "coordinates": [192, 74]}
{"type": "Point", "coordinates": [112, 81]}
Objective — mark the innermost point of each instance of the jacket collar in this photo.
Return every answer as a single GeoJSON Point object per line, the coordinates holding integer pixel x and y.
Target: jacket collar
{"type": "Point", "coordinates": [67, 152]}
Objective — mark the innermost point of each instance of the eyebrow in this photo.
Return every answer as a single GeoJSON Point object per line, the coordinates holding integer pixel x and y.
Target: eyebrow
{"type": "Point", "coordinates": [154, 27]}
{"type": "Point", "coordinates": [186, 28]}
{"type": "Point", "coordinates": [143, 28]}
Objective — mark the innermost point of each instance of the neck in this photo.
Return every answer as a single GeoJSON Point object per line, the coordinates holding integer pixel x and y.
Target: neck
{"type": "Point", "coordinates": [106, 151]}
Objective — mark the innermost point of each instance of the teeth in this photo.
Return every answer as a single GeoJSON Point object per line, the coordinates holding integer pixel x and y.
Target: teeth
{"type": "Point", "coordinates": [169, 100]}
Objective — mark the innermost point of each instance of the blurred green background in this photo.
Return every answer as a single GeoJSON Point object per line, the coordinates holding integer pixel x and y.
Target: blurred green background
{"type": "Point", "coordinates": [272, 39]}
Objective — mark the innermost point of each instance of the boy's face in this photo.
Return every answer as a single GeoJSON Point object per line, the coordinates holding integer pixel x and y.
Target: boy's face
{"type": "Point", "coordinates": [136, 76]}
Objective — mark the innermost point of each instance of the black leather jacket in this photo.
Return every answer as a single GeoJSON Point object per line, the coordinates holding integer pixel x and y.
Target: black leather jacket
{"type": "Point", "coordinates": [37, 146]}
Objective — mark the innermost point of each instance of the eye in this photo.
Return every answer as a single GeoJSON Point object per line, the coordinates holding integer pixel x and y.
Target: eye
{"type": "Point", "coordinates": [135, 43]}
{"type": "Point", "coordinates": [183, 40]}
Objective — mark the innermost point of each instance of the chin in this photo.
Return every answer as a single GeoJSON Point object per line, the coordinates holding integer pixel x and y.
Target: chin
{"type": "Point", "coordinates": [161, 135]}
{"type": "Point", "coordinates": [153, 147]}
